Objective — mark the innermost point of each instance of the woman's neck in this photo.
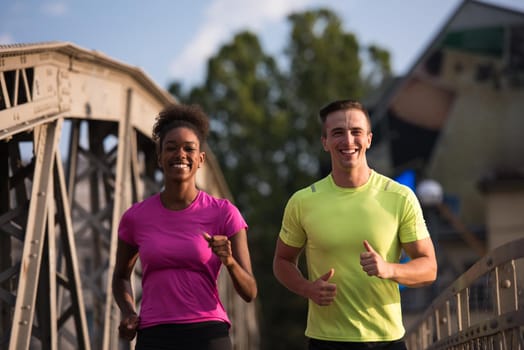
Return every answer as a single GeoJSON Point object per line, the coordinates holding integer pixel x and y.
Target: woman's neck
{"type": "Point", "coordinates": [176, 197]}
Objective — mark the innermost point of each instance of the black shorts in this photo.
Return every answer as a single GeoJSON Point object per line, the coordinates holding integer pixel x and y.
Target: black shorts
{"type": "Point", "coordinates": [195, 336]}
{"type": "Point", "coordinates": [316, 344]}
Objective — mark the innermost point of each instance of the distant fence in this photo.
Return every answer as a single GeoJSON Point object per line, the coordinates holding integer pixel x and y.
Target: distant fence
{"type": "Point", "coordinates": [482, 309]}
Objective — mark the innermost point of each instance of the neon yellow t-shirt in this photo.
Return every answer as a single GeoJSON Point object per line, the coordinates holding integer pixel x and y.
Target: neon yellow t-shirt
{"type": "Point", "coordinates": [332, 222]}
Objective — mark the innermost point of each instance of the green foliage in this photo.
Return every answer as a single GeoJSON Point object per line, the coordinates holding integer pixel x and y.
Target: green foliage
{"type": "Point", "coordinates": [380, 68]}
{"type": "Point", "coordinates": [266, 136]}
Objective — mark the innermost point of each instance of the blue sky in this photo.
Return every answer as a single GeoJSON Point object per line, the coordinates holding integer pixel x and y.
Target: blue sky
{"type": "Point", "coordinates": [172, 39]}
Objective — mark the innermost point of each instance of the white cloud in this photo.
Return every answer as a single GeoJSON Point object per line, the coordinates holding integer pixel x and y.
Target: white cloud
{"type": "Point", "coordinates": [222, 19]}
{"type": "Point", "coordinates": [6, 38]}
{"type": "Point", "coordinates": [55, 9]}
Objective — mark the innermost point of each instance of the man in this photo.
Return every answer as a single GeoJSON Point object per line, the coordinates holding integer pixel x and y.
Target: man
{"type": "Point", "coordinates": [353, 225]}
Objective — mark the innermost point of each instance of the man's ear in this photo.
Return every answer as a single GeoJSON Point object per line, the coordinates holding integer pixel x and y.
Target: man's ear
{"type": "Point", "coordinates": [323, 140]}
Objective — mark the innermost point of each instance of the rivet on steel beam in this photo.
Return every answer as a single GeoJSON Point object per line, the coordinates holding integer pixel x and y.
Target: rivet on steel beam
{"type": "Point", "coordinates": [493, 324]}
{"type": "Point", "coordinates": [35, 241]}
{"type": "Point", "coordinates": [34, 255]}
{"type": "Point", "coordinates": [505, 284]}
{"type": "Point", "coordinates": [23, 323]}
{"type": "Point", "coordinates": [26, 307]}
{"type": "Point", "coordinates": [42, 193]}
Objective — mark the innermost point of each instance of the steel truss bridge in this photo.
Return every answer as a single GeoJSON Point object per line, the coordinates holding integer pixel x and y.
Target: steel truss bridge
{"type": "Point", "coordinates": [76, 152]}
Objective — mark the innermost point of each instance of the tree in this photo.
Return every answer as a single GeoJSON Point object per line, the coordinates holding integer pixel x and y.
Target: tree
{"type": "Point", "coordinates": [265, 134]}
{"type": "Point", "coordinates": [379, 68]}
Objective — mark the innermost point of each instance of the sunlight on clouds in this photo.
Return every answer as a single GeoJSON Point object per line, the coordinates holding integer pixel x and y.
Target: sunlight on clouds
{"type": "Point", "coordinates": [6, 38]}
{"type": "Point", "coordinates": [222, 19]}
{"type": "Point", "coordinates": [55, 9]}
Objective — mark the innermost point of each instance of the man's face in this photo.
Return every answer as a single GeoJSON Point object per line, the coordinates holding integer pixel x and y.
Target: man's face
{"type": "Point", "coordinates": [347, 138]}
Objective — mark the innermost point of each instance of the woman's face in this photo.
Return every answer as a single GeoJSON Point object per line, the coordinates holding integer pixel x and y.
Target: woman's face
{"type": "Point", "coordinates": [180, 154]}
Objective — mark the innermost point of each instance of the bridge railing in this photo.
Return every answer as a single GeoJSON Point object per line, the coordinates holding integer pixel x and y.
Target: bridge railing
{"type": "Point", "coordinates": [482, 309]}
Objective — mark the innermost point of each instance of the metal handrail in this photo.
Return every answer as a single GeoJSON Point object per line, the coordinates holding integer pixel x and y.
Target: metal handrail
{"type": "Point", "coordinates": [482, 309]}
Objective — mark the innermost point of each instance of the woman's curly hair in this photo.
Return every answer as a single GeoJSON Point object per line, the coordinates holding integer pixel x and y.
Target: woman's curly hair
{"type": "Point", "coordinates": [181, 115]}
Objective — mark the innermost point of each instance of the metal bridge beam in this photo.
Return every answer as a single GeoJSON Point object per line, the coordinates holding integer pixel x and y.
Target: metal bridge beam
{"type": "Point", "coordinates": [76, 152]}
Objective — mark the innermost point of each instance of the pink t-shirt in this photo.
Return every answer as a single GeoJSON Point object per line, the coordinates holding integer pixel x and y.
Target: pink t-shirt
{"type": "Point", "coordinates": [179, 282]}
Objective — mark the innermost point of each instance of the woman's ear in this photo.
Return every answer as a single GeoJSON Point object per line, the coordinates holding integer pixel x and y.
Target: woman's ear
{"type": "Point", "coordinates": [158, 152]}
{"type": "Point", "coordinates": [202, 158]}
{"type": "Point", "coordinates": [158, 160]}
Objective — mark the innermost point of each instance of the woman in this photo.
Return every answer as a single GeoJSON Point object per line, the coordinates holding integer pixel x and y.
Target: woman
{"type": "Point", "coordinates": [182, 235]}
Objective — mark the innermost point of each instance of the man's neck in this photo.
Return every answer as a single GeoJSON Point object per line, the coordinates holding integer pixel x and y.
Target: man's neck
{"type": "Point", "coordinates": [352, 179]}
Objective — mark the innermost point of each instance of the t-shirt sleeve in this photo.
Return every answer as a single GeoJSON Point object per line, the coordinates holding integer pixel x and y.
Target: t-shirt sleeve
{"type": "Point", "coordinates": [233, 220]}
{"type": "Point", "coordinates": [413, 226]}
{"type": "Point", "coordinates": [125, 228]}
{"type": "Point", "coordinates": [291, 231]}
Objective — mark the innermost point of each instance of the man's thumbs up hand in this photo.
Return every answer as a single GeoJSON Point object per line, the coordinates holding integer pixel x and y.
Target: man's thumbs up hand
{"type": "Point", "coordinates": [327, 276]}
{"type": "Point", "coordinates": [372, 263]}
{"type": "Point", "coordinates": [321, 291]}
